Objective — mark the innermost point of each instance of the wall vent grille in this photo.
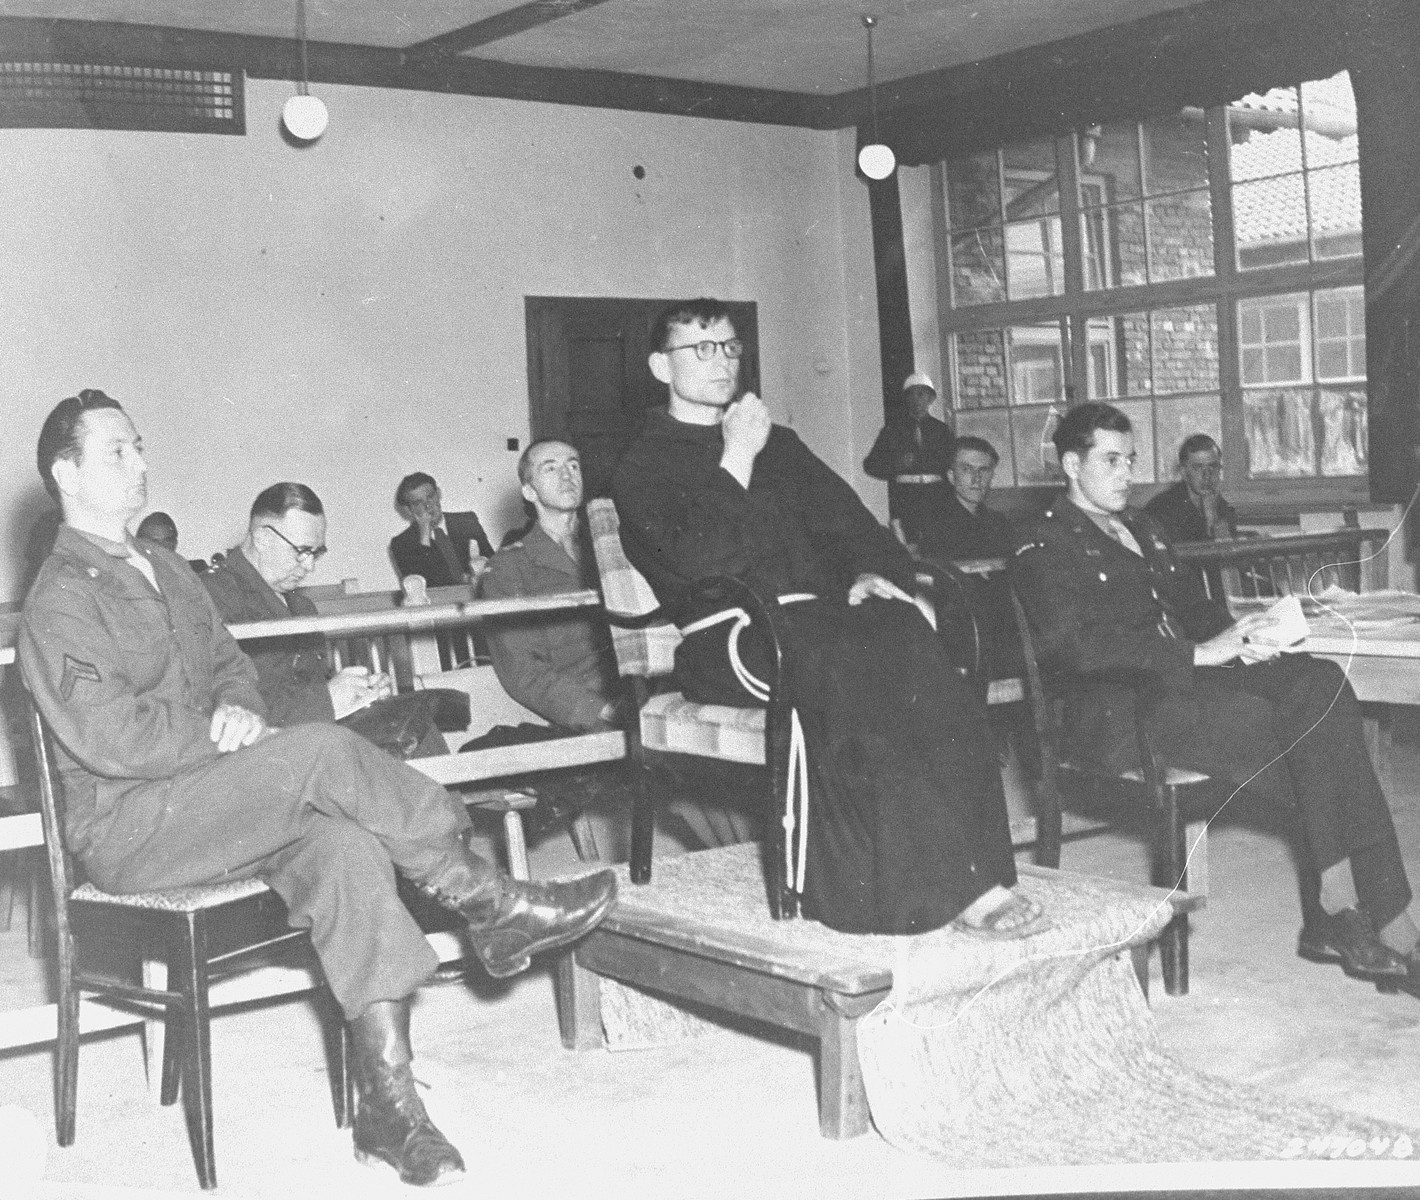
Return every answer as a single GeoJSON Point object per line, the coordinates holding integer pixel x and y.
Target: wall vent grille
{"type": "Point", "coordinates": [107, 96]}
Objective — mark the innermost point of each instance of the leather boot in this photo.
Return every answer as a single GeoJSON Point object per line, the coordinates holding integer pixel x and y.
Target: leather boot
{"type": "Point", "coordinates": [510, 920]}
{"type": "Point", "coordinates": [391, 1125]}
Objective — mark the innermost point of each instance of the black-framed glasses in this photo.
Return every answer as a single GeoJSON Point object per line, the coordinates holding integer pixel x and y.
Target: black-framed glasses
{"type": "Point", "coordinates": [705, 350]}
{"type": "Point", "coordinates": [311, 552]}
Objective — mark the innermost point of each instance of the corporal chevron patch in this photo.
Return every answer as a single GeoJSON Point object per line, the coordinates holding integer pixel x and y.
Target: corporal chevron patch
{"type": "Point", "coordinates": [74, 670]}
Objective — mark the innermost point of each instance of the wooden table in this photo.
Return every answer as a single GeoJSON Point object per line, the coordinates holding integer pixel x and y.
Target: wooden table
{"type": "Point", "coordinates": [769, 975]}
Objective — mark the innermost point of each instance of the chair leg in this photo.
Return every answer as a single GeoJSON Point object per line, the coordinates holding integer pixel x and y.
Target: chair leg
{"type": "Point", "coordinates": [643, 825]}
{"type": "Point", "coordinates": [1170, 853]}
{"type": "Point", "coordinates": [584, 841]}
{"type": "Point", "coordinates": [66, 1050]}
{"type": "Point", "coordinates": [196, 1046]}
{"type": "Point", "coordinates": [1047, 819]}
{"type": "Point", "coordinates": [336, 1037]}
{"type": "Point", "coordinates": [517, 845]}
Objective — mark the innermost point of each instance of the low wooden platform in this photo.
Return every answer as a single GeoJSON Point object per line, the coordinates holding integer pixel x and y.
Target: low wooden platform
{"type": "Point", "coordinates": [790, 974]}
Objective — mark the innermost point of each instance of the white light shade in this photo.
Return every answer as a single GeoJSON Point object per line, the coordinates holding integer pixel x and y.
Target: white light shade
{"type": "Point", "coordinates": [876, 161]}
{"type": "Point", "coordinates": [305, 117]}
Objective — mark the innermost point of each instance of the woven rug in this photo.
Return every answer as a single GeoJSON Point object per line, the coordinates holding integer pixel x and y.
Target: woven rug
{"type": "Point", "coordinates": [1040, 1051]}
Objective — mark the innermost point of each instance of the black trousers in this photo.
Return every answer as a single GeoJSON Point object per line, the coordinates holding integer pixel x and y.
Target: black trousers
{"type": "Point", "coordinates": [907, 820]}
{"type": "Point", "coordinates": [1292, 728]}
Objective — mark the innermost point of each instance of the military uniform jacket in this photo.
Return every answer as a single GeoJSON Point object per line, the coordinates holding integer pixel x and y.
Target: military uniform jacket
{"type": "Point", "coordinates": [126, 677]}
{"type": "Point", "coordinates": [798, 527]}
{"type": "Point", "coordinates": [291, 671]}
{"type": "Point", "coordinates": [1098, 613]}
{"type": "Point", "coordinates": [560, 667]}
{"type": "Point", "coordinates": [898, 451]}
{"type": "Point", "coordinates": [410, 558]}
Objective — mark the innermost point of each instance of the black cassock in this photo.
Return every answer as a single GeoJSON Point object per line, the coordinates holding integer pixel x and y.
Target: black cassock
{"type": "Point", "coordinates": [907, 822]}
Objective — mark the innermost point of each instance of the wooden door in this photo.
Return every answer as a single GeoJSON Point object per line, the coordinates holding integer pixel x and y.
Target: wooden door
{"type": "Point", "coordinates": [588, 380]}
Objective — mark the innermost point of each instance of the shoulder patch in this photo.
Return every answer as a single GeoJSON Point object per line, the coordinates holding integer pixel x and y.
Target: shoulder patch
{"type": "Point", "coordinates": [74, 670]}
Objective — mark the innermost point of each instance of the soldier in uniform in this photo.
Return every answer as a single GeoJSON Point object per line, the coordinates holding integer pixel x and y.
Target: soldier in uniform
{"type": "Point", "coordinates": [172, 778]}
{"type": "Point", "coordinates": [1124, 625]}
{"type": "Point", "coordinates": [912, 452]}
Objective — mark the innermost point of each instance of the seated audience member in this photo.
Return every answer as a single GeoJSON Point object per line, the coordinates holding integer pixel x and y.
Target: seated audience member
{"type": "Point", "coordinates": [437, 545]}
{"type": "Point", "coordinates": [161, 528]}
{"type": "Point", "coordinates": [1099, 583]}
{"type": "Point", "coordinates": [906, 825]}
{"type": "Point", "coordinates": [965, 528]}
{"type": "Point", "coordinates": [912, 452]}
{"type": "Point", "coordinates": [561, 666]}
{"type": "Point", "coordinates": [1193, 509]}
{"type": "Point", "coordinates": [257, 581]}
{"type": "Point", "coordinates": [174, 779]}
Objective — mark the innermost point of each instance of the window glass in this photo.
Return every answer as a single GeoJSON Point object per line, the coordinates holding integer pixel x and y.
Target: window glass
{"type": "Point", "coordinates": [1180, 236]}
{"type": "Point", "coordinates": [1179, 418]}
{"type": "Point", "coordinates": [1341, 334]}
{"type": "Point", "coordinates": [1280, 439]}
{"type": "Point", "coordinates": [1035, 259]}
{"type": "Point", "coordinates": [1032, 185]}
{"type": "Point", "coordinates": [1270, 221]}
{"type": "Point", "coordinates": [978, 266]}
{"type": "Point", "coordinates": [1334, 198]}
{"type": "Point", "coordinates": [1037, 363]}
{"type": "Point", "coordinates": [1119, 356]}
{"type": "Point", "coordinates": [1343, 425]}
{"type": "Point", "coordinates": [1274, 339]}
{"type": "Point", "coordinates": [973, 191]}
{"type": "Point", "coordinates": [1185, 349]}
{"type": "Point", "coordinates": [980, 369]}
{"type": "Point", "coordinates": [1031, 445]}
{"type": "Point", "coordinates": [1109, 157]}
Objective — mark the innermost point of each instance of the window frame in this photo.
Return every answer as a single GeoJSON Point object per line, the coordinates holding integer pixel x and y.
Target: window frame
{"type": "Point", "coordinates": [1223, 289]}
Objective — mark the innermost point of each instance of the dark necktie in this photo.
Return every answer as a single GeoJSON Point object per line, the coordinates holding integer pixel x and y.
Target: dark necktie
{"type": "Point", "coordinates": [446, 551]}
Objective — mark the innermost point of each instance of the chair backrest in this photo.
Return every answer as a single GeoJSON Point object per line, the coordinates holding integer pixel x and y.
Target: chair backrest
{"type": "Point", "coordinates": [644, 646]}
{"type": "Point", "coordinates": [51, 810]}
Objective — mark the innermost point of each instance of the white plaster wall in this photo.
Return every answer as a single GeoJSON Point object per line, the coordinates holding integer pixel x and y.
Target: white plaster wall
{"type": "Point", "coordinates": [349, 312]}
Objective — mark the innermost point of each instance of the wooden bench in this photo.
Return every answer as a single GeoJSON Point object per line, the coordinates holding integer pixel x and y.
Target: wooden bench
{"type": "Point", "coordinates": [783, 973]}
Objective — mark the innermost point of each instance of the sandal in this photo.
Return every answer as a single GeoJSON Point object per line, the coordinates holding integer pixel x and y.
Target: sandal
{"type": "Point", "coordinates": [1018, 917]}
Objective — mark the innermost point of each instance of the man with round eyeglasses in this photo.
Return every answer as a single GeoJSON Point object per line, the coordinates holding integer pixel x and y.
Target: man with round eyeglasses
{"type": "Point", "coordinates": [258, 580]}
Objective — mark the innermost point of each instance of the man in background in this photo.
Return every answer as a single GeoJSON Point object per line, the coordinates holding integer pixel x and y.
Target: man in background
{"type": "Point", "coordinates": [912, 453]}
{"type": "Point", "coordinates": [437, 545]}
{"type": "Point", "coordinates": [1193, 508]}
{"type": "Point", "coordinates": [258, 581]}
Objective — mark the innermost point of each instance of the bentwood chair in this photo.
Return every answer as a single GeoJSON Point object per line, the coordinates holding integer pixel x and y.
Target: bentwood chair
{"type": "Point", "coordinates": [1176, 802]}
{"type": "Point", "coordinates": [666, 723]}
{"type": "Point", "coordinates": [198, 932]}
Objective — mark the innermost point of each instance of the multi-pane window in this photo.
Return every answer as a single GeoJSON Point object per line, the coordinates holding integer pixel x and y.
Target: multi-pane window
{"type": "Point", "coordinates": [1118, 263]}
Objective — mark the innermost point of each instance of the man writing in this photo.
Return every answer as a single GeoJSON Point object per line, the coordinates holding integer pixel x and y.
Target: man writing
{"type": "Point", "coordinates": [1112, 610]}
{"type": "Point", "coordinates": [258, 579]}
{"type": "Point", "coordinates": [173, 778]}
{"type": "Point", "coordinates": [908, 825]}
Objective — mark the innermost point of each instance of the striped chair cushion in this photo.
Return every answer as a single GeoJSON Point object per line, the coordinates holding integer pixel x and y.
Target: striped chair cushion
{"type": "Point", "coordinates": [645, 652]}
{"type": "Point", "coordinates": [190, 899]}
{"type": "Point", "coordinates": [671, 722]}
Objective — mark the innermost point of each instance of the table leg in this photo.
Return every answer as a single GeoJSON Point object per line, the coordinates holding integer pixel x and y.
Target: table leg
{"type": "Point", "coordinates": [842, 1100]}
{"type": "Point", "coordinates": [579, 1009]}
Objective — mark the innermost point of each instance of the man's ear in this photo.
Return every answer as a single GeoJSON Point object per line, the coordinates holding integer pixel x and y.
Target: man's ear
{"type": "Point", "coordinates": [1070, 463]}
{"type": "Point", "coordinates": [63, 471]}
{"type": "Point", "coordinates": [529, 493]}
{"type": "Point", "coordinates": [660, 364]}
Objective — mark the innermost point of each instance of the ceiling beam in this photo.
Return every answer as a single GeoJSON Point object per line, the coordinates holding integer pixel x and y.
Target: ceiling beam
{"type": "Point", "coordinates": [45, 39]}
{"type": "Point", "coordinates": [494, 28]}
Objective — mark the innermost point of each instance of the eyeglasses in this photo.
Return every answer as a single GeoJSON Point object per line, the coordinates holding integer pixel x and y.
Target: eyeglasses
{"type": "Point", "coordinates": [311, 552]}
{"type": "Point", "coordinates": [705, 351]}
{"type": "Point", "coordinates": [975, 472]}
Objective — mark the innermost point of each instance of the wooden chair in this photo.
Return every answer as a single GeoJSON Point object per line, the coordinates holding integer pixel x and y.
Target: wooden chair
{"type": "Point", "coordinates": [667, 723]}
{"type": "Point", "coordinates": [1177, 803]}
{"type": "Point", "coordinates": [198, 932]}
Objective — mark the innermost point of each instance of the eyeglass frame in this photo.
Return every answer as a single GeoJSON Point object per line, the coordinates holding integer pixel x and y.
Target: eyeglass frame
{"type": "Point", "coordinates": [708, 355]}
{"type": "Point", "coordinates": [314, 553]}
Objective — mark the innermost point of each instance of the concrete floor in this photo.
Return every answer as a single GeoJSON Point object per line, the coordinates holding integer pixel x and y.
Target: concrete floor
{"type": "Point", "coordinates": [733, 1113]}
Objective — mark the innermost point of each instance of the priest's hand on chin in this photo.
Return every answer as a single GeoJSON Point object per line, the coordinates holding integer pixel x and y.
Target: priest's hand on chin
{"type": "Point", "coordinates": [867, 585]}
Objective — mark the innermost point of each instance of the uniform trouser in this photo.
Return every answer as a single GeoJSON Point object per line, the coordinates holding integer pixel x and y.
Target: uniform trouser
{"type": "Point", "coordinates": [907, 820]}
{"type": "Point", "coordinates": [1297, 722]}
{"type": "Point", "coordinates": [320, 814]}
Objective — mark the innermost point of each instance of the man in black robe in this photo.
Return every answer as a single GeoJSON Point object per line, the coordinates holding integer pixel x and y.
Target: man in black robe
{"type": "Point", "coordinates": [907, 827]}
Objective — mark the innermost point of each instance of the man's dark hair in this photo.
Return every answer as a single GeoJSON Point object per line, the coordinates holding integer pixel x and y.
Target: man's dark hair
{"type": "Point", "coordinates": [280, 498]}
{"type": "Point", "coordinates": [409, 484]}
{"type": "Point", "coordinates": [980, 445]}
{"type": "Point", "coordinates": [1194, 443]}
{"type": "Point", "coordinates": [1076, 430]}
{"type": "Point", "coordinates": [703, 312]}
{"type": "Point", "coordinates": [525, 459]}
{"type": "Point", "coordinates": [157, 527]}
{"type": "Point", "coordinates": [62, 434]}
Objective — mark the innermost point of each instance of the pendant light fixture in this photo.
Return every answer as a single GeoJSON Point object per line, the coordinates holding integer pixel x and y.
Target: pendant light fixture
{"type": "Point", "coordinates": [875, 160]}
{"type": "Point", "coordinates": [304, 115]}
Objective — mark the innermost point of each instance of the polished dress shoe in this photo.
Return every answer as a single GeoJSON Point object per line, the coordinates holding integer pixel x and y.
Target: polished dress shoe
{"type": "Point", "coordinates": [1349, 937]}
{"type": "Point", "coordinates": [392, 1127]}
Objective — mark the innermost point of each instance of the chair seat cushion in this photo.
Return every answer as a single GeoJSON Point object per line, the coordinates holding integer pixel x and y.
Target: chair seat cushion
{"type": "Point", "coordinates": [674, 724]}
{"type": "Point", "coordinates": [189, 899]}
